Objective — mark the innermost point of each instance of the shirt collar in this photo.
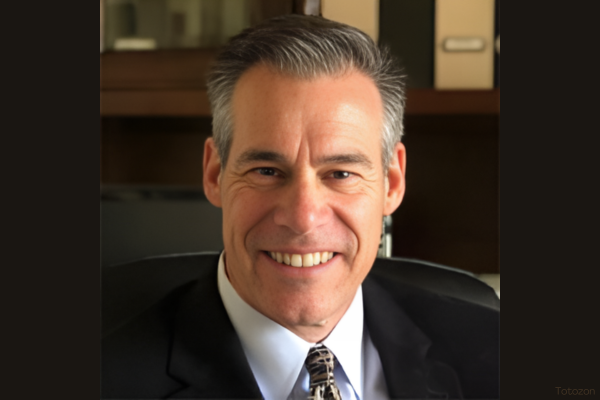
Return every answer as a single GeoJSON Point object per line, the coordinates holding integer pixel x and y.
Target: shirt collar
{"type": "Point", "coordinates": [276, 368]}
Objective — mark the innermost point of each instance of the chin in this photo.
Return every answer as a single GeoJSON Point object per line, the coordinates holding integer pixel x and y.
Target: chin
{"type": "Point", "coordinates": [313, 311]}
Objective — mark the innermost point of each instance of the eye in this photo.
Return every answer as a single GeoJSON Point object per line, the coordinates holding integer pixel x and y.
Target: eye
{"type": "Point", "coordinates": [266, 171]}
{"type": "Point", "coordinates": [341, 174]}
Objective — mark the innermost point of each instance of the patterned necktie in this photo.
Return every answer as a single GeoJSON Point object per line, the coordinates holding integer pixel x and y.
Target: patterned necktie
{"type": "Point", "coordinates": [319, 363]}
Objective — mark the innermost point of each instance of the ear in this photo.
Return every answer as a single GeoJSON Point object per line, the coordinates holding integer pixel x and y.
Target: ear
{"type": "Point", "coordinates": [212, 172]}
{"type": "Point", "coordinates": [395, 182]}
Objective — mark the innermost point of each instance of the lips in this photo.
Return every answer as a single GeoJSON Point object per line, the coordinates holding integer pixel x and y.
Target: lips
{"type": "Point", "coordinates": [302, 260]}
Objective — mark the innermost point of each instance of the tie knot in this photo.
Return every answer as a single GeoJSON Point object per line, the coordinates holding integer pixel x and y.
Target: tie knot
{"type": "Point", "coordinates": [319, 363]}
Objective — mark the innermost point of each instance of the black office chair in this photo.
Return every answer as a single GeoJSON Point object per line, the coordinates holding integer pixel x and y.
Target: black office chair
{"type": "Point", "coordinates": [129, 289]}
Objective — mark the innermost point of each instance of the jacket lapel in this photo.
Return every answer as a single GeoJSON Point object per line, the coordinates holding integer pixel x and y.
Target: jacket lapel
{"type": "Point", "coordinates": [207, 356]}
{"type": "Point", "coordinates": [403, 349]}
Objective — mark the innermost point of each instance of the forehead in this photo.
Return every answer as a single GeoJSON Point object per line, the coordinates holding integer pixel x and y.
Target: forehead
{"type": "Point", "coordinates": [271, 109]}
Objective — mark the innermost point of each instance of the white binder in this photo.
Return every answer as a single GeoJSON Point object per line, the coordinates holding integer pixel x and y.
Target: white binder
{"type": "Point", "coordinates": [464, 44]}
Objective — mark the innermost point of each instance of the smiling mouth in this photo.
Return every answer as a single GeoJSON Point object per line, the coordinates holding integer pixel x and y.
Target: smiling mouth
{"type": "Point", "coordinates": [301, 260]}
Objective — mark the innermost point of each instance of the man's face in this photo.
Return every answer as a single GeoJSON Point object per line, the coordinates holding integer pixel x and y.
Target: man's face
{"type": "Point", "coordinates": [304, 175]}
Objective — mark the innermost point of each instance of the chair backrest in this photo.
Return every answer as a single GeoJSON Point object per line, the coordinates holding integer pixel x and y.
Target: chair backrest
{"type": "Point", "coordinates": [129, 289]}
{"type": "Point", "coordinates": [440, 279]}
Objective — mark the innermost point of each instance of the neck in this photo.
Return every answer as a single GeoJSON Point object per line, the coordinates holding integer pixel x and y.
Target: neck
{"type": "Point", "coordinates": [315, 332]}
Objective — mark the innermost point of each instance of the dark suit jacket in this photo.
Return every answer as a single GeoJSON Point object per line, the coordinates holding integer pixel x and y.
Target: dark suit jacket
{"type": "Point", "coordinates": [435, 339]}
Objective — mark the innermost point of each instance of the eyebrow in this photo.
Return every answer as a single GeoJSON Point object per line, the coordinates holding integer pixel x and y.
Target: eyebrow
{"type": "Point", "coordinates": [349, 158]}
{"type": "Point", "coordinates": [251, 156]}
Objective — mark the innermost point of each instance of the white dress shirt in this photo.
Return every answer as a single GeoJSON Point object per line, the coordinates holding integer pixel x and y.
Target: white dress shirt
{"type": "Point", "coordinates": [279, 369]}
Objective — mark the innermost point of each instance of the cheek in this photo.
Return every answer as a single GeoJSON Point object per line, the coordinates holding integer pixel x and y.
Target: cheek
{"type": "Point", "coordinates": [363, 216]}
{"type": "Point", "coordinates": [245, 208]}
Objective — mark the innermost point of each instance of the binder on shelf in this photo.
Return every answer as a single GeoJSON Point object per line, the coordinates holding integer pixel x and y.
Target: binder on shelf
{"type": "Point", "coordinates": [361, 14]}
{"type": "Point", "coordinates": [464, 44]}
{"type": "Point", "coordinates": [497, 45]}
{"type": "Point", "coordinates": [406, 27]}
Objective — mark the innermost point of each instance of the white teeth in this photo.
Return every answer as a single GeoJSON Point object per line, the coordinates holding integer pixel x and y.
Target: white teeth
{"type": "Point", "coordinates": [316, 258]}
{"type": "Point", "coordinates": [307, 260]}
{"type": "Point", "coordinates": [296, 260]}
{"type": "Point", "coordinates": [302, 260]}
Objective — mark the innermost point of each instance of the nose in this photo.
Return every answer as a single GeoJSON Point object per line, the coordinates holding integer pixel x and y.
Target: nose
{"type": "Point", "coordinates": [302, 205]}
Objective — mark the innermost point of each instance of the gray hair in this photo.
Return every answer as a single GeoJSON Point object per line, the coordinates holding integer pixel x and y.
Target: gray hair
{"type": "Point", "coordinates": [305, 47]}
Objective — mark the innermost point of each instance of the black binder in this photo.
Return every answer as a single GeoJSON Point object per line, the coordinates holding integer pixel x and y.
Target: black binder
{"type": "Point", "coordinates": [406, 27]}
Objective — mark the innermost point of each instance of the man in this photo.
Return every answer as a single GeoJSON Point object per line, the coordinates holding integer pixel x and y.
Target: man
{"type": "Point", "coordinates": [305, 161]}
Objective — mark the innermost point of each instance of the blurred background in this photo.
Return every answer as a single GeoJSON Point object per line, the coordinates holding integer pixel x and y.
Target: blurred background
{"type": "Point", "coordinates": [155, 117]}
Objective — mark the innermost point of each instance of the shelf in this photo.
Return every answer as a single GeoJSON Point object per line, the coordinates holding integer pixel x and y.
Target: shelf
{"type": "Point", "coordinates": [155, 83]}
{"type": "Point", "coordinates": [165, 103]}
{"type": "Point", "coordinates": [172, 83]}
{"type": "Point", "coordinates": [448, 102]}
{"type": "Point", "coordinates": [194, 103]}
{"type": "Point", "coordinates": [155, 70]}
